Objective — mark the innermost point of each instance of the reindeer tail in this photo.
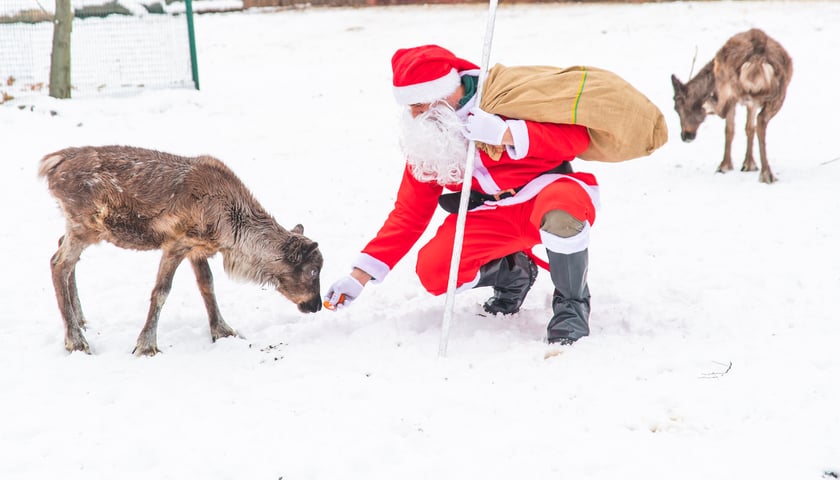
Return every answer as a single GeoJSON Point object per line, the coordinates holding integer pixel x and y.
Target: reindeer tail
{"type": "Point", "coordinates": [756, 75]}
{"type": "Point", "coordinates": [49, 163]}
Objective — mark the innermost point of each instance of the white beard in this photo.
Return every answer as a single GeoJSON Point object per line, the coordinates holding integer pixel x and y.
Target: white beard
{"type": "Point", "coordinates": [435, 145]}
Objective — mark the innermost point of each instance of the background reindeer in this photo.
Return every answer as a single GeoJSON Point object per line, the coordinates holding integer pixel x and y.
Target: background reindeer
{"type": "Point", "coordinates": [751, 69]}
{"type": "Point", "coordinates": [188, 208]}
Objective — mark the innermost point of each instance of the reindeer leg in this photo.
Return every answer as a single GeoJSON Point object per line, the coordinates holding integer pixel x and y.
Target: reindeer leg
{"type": "Point", "coordinates": [204, 277]}
{"type": "Point", "coordinates": [73, 293]}
{"type": "Point", "coordinates": [63, 267]}
{"type": "Point", "coordinates": [147, 340]}
{"type": "Point", "coordinates": [766, 175]}
{"type": "Point", "coordinates": [749, 161]}
{"type": "Point", "coordinates": [74, 298]}
{"type": "Point", "coordinates": [726, 164]}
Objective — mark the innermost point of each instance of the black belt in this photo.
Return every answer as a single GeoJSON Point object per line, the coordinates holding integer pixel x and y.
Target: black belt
{"type": "Point", "coordinates": [451, 201]}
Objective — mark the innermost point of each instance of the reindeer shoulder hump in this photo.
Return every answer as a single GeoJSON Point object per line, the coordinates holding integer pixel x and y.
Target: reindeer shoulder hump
{"type": "Point", "coordinates": [208, 168]}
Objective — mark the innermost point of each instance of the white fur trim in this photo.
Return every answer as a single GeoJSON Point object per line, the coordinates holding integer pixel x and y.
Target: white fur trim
{"type": "Point", "coordinates": [373, 267]}
{"type": "Point", "coordinates": [430, 91]}
{"type": "Point", "coordinates": [532, 188]}
{"type": "Point", "coordinates": [482, 175]}
{"type": "Point", "coordinates": [568, 246]}
{"type": "Point", "coordinates": [521, 141]}
{"type": "Point", "coordinates": [469, 285]}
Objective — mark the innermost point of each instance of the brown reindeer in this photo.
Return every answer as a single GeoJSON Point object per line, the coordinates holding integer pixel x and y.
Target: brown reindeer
{"type": "Point", "coordinates": [188, 208]}
{"type": "Point", "coordinates": [751, 69]}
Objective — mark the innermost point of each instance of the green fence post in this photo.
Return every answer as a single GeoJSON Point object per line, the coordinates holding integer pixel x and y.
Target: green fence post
{"type": "Point", "coordinates": [193, 56]}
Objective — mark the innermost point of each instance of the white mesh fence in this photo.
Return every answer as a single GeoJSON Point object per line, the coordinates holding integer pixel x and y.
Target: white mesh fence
{"type": "Point", "coordinates": [114, 52]}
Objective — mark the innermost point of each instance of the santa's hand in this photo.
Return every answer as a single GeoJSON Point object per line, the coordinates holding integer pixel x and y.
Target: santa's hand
{"type": "Point", "coordinates": [342, 292]}
{"type": "Point", "coordinates": [485, 127]}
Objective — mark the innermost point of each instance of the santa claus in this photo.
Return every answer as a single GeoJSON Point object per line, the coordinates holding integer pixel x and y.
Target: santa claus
{"type": "Point", "coordinates": [523, 193]}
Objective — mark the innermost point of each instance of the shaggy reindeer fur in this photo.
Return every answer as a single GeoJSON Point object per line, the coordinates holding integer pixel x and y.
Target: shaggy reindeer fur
{"type": "Point", "coordinates": [187, 207]}
{"type": "Point", "coordinates": [751, 69]}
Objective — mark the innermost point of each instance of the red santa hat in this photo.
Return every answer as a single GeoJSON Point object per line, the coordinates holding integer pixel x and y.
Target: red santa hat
{"type": "Point", "coordinates": [427, 73]}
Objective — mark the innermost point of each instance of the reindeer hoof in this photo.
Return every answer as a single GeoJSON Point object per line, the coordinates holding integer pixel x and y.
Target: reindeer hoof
{"type": "Point", "coordinates": [146, 350]}
{"type": "Point", "coordinates": [83, 348]}
{"type": "Point", "coordinates": [767, 178]}
{"type": "Point", "coordinates": [76, 343]}
{"type": "Point", "coordinates": [223, 330]}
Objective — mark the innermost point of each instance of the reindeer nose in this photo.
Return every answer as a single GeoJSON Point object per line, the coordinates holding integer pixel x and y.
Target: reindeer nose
{"type": "Point", "coordinates": [688, 136]}
{"type": "Point", "coordinates": [310, 306]}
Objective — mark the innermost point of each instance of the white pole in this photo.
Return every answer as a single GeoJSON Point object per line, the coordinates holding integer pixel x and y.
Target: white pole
{"type": "Point", "coordinates": [465, 191]}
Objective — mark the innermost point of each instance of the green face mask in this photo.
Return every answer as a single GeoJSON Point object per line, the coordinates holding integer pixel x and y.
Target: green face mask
{"type": "Point", "coordinates": [470, 84]}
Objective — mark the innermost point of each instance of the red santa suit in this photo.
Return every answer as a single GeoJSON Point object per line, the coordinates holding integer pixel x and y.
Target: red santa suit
{"type": "Point", "coordinates": [496, 228]}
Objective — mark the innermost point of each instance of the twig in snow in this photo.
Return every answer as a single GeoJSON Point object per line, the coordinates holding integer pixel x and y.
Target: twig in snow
{"type": "Point", "coordinates": [830, 161]}
{"type": "Point", "coordinates": [728, 367]}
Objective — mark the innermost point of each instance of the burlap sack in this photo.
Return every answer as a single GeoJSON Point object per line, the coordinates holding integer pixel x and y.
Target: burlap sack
{"type": "Point", "coordinates": [623, 124]}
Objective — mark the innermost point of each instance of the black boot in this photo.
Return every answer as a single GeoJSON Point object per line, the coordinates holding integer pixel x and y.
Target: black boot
{"type": "Point", "coordinates": [571, 297]}
{"type": "Point", "coordinates": [511, 278]}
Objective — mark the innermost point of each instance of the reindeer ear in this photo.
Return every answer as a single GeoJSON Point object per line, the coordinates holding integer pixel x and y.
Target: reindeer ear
{"type": "Point", "coordinates": [298, 229]}
{"type": "Point", "coordinates": [676, 83]}
{"type": "Point", "coordinates": [294, 249]}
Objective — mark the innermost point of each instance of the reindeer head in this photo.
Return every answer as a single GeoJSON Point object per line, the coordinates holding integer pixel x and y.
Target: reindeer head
{"type": "Point", "coordinates": [693, 101]}
{"type": "Point", "coordinates": [299, 277]}
{"type": "Point", "coordinates": [286, 260]}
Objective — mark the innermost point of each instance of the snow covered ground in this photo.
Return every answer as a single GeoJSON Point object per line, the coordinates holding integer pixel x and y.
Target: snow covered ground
{"type": "Point", "coordinates": [691, 272]}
